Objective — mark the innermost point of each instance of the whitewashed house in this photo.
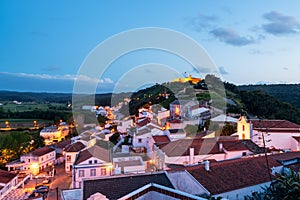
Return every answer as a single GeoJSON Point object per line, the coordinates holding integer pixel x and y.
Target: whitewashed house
{"type": "Point", "coordinates": [191, 151]}
{"type": "Point", "coordinates": [35, 161]}
{"type": "Point", "coordinates": [277, 134]}
{"type": "Point", "coordinates": [90, 163]}
{"type": "Point", "coordinates": [70, 153]}
{"type": "Point", "coordinates": [8, 181]}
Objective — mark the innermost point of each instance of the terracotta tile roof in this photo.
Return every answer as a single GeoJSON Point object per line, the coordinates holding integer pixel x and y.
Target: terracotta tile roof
{"type": "Point", "coordinates": [75, 147]}
{"type": "Point", "coordinates": [62, 144]}
{"type": "Point", "coordinates": [232, 175]}
{"type": "Point", "coordinates": [118, 186]}
{"type": "Point", "coordinates": [275, 125]}
{"type": "Point", "coordinates": [201, 146]}
{"type": "Point", "coordinates": [286, 156]}
{"type": "Point", "coordinates": [41, 151]}
{"type": "Point", "coordinates": [161, 139]}
{"type": "Point", "coordinates": [94, 151]}
{"type": "Point", "coordinates": [235, 174]}
{"type": "Point", "coordinates": [6, 176]}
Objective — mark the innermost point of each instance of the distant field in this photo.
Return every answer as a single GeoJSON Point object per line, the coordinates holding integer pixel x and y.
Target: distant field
{"type": "Point", "coordinates": [31, 106]}
{"type": "Point", "coordinates": [24, 123]}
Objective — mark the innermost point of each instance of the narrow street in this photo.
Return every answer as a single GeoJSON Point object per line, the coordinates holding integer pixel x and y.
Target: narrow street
{"type": "Point", "coordinates": [61, 181]}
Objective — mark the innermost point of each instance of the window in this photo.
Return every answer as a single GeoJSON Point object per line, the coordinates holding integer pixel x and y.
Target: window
{"type": "Point", "coordinates": [90, 161]}
{"type": "Point", "coordinates": [243, 127]}
{"type": "Point", "coordinates": [93, 172]}
{"type": "Point", "coordinates": [81, 173]}
{"type": "Point", "coordinates": [103, 171]}
{"type": "Point", "coordinates": [42, 158]}
{"type": "Point", "coordinates": [243, 136]}
{"type": "Point", "coordinates": [140, 140]}
{"type": "Point", "coordinates": [95, 161]}
{"type": "Point", "coordinates": [79, 184]}
{"type": "Point", "coordinates": [28, 160]}
{"type": "Point", "coordinates": [68, 158]}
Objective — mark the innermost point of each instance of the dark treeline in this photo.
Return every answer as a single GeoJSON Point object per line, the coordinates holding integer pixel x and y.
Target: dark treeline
{"type": "Point", "coordinates": [52, 115]}
{"type": "Point", "coordinates": [35, 97]}
{"type": "Point", "coordinates": [289, 93]}
{"type": "Point", "coordinates": [259, 103]}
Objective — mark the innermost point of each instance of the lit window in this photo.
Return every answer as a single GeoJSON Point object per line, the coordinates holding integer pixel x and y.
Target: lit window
{"type": "Point", "coordinates": [68, 158]}
{"type": "Point", "coordinates": [93, 172]}
{"type": "Point", "coordinates": [103, 171]}
{"type": "Point", "coordinates": [81, 173]}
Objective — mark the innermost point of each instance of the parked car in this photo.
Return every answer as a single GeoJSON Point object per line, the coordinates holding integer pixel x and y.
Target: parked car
{"type": "Point", "coordinates": [39, 185]}
{"type": "Point", "coordinates": [42, 189]}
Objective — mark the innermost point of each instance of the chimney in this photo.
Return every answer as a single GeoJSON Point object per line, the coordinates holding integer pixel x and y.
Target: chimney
{"type": "Point", "coordinates": [206, 163]}
{"type": "Point", "coordinates": [191, 155]}
{"type": "Point", "coordinates": [220, 146]}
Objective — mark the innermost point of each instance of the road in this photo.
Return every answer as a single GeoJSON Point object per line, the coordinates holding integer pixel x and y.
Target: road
{"type": "Point", "coordinates": [60, 182]}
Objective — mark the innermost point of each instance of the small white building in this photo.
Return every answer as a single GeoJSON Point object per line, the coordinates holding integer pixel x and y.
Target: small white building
{"type": "Point", "coordinates": [70, 153]}
{"type": "Point", "coordinates": [192, 151]}
{"type": "Point", "coordinates": [277, 134]}
{"type": "Point", "coordinates": [91, 163]}
{"type": "Point", "coordinates": [35, 161]}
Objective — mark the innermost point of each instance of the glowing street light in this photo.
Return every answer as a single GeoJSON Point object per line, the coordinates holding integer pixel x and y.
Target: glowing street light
{"type": "Point", "coordinates": [7, 124]}
{"type": "Point", "coordinates": [34, 168]}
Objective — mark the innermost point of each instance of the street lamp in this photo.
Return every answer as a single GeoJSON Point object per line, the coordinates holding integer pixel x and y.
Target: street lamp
{"type": "Point", "coordinates": [36, 178]}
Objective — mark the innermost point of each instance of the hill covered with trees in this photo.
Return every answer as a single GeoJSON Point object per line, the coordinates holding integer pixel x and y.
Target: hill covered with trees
{"type": "Point", "coordinates": [289, 93]}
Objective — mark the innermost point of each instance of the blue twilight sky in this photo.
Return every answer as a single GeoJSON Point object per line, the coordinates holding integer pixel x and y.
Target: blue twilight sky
{"type": "Point", "coordinates": [44, 43]}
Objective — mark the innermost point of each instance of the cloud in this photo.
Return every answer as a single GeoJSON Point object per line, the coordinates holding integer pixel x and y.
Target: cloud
{"type": "Point", "coordinates": [285, 68]}
{"type": "Point", "coordinates": [280, 24]}
{"type": "Point", "coordinates": [59, 77]}
{"type": "Point", "coordinates": [230, 36]}
{"type": "Point", "coordinates": [223, 71]}
{"type": "Point", "coordinates": [202, 22]}
{"type": "Point", "coordinates": [51, 83]}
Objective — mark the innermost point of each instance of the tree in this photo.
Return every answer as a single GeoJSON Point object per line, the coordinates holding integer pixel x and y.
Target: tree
{"type": "Point", "coordinates": [285, 187]}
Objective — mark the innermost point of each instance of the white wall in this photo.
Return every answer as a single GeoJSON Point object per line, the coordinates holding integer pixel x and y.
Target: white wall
{"type": "Point", "coordinates": [8, 187]}
{"type": "Point", "coordinates": [197, 158]}
{"type": "Point", "coordinates": [278, 140]}
{"type": "Point", "coordinates": [70, 162]}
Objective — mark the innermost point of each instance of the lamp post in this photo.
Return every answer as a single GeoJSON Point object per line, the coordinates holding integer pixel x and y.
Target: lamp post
{"type": "Point", "coordinates": [36, 180]}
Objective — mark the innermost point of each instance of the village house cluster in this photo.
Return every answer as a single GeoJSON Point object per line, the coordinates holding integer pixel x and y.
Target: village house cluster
{"type": "Point", "coordinates": [154, 158]}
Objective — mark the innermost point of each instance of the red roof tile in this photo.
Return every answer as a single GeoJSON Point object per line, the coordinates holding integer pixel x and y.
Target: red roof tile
{"type": "Point", "coordinates": [62, 144]}
{"type": "Point", "coordinates": [41, 151]}
{"type": "Point", "coordinates": [235, 174]}
{"type": "Point", "coordinates": [75, 147]}
{"type": "Point", "coordinates": [201, 146]}
{"type": "Point", "coordinates": [94, 151]}
{"type": "Point", "coordinates": [161, 139]}
{"type": "Point", "coordinates": [275, 125]}
{"type": "Point", "coordinates": [6, 176]}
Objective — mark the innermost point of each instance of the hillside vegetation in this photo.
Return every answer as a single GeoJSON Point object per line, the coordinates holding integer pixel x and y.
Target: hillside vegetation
{"type": "Point", "coordinates": [289, 93]}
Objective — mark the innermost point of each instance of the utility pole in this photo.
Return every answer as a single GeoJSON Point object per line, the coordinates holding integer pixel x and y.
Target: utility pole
{"type": "Point", "coordinates": [56, 193]}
